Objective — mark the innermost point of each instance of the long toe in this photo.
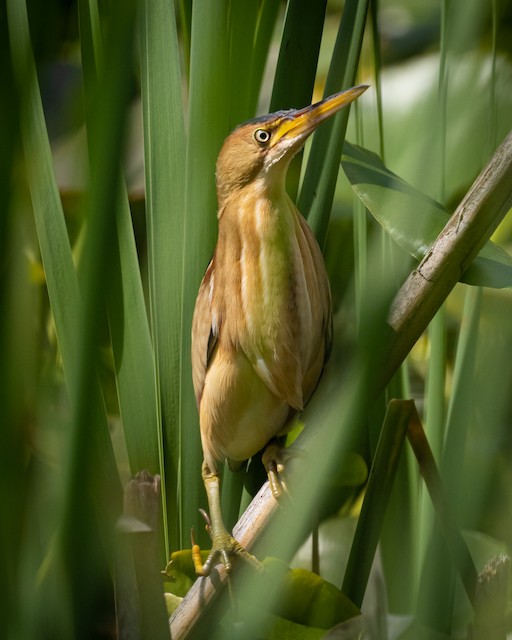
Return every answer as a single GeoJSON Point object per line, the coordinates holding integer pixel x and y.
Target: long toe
{"type": "Point", "coordinates": [273, 459]}
{"type": "Point", "coordinates": [224, 549]}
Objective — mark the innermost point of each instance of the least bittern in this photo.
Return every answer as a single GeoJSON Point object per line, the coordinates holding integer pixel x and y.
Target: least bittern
{"type": "Point", "coordinates": [262, 325]}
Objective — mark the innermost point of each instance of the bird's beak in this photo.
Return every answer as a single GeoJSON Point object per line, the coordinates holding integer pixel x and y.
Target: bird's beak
{"type": "Point", "coordinates": [299, 124]}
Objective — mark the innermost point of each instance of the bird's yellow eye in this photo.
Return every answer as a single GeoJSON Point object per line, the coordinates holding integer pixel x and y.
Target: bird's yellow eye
{"type": "Point", "coordinates": [262, 136]}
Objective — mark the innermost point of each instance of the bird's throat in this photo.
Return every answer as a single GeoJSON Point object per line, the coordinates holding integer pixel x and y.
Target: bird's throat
{"type": "Point", "coordinates": [255, 258]}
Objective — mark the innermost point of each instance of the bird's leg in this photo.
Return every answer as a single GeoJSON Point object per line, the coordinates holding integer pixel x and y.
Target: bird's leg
{"type": "Point", "coordinates": [224, 546]}
{"type": "Point", "coordinates": [273, 461]}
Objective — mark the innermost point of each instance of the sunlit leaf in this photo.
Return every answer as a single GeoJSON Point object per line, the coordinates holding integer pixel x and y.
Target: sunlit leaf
{"type": "Point", "coordinates": [306, 598]}
{"type": "Point", "coordinates": [164, 158]}
{"type": "Point", "coordinates": [413, 219]}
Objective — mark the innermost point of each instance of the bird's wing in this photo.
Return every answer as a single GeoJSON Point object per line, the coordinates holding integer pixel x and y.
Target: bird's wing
{"type": "Point", "coordinates": [204, 338]}
{"type": "Point", "coordinates": [323, 304]}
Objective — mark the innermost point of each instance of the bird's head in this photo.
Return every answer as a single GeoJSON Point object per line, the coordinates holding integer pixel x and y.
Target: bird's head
{"type": "Point", "coordinates": [262, 148]}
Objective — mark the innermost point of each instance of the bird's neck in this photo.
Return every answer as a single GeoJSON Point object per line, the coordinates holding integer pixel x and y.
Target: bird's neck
{"type": "Point", "coordinates": [254, 259]}
{"type": "Point", "coordinates": [259, 222]}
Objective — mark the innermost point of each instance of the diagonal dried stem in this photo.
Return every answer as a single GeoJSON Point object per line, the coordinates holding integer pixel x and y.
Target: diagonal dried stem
{"type": "Point", "coordinates": [470, 227]}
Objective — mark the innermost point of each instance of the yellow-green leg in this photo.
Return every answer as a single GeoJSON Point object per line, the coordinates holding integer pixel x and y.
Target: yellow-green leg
{"type": "Point", "coordinates": [224, 546]}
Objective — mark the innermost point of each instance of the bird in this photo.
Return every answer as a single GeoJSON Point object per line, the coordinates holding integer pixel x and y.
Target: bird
{"type": "Point", "coordinates": [262, 323]}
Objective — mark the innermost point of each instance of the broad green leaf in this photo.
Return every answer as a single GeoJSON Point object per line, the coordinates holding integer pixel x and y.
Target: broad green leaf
{"type": "Point", "coordinates": [164, 160]}
{"type": "Point", "coordinates": [182, 564]}
{"type": "Point", "coordinates": [413, 219]}
{"type": "Point", "coordinates": [287, 630]}
{"type": "Point", "coordinates": [305, 603]}
{"type": "Point", "coordinates": [133, 351]}
{"type": "Point", "coordinates": [305, 597]}
{"type": "Point", "coordinates": [172, 602]}
{"type": "Point", "coordinates": [275, 628]}
{"type": "Point", "coordinates": [128, 323]}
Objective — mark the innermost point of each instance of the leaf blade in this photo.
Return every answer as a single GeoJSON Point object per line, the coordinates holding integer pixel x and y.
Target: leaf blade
{"type": "Point", "coordinates": [164, 155]}
{"type": "Point", "coordinates": [413, 219]}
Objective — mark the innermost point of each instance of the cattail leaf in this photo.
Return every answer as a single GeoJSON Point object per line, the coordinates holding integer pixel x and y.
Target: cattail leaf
{"type": "Point", "coordinates": [164, 159]}
{"type": "Point", "coordinates": [294, 79]}
{"type": "Point", "coordinates": [319, 183]}
{"type": "Point", "coordinates": [128, 323]}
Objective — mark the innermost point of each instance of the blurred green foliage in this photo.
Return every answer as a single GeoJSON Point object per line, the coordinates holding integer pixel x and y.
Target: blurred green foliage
{"type": "Point", "coordinates": [107, 221]}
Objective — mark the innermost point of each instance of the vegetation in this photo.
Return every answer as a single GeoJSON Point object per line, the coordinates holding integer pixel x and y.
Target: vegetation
{"type": "Point", "coordinates": [101, 260]}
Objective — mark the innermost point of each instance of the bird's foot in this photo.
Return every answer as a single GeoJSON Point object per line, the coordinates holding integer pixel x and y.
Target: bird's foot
{"type": "Point", "coordinates": [273, 459]}
{"type": "Point", "coordinates": [224, 548]}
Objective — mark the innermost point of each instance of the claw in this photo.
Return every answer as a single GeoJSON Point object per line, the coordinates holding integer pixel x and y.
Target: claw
{"type": "Point", "coordinates": [273, 461]}
{"type": "Point", "coordinates": [206, 518]}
